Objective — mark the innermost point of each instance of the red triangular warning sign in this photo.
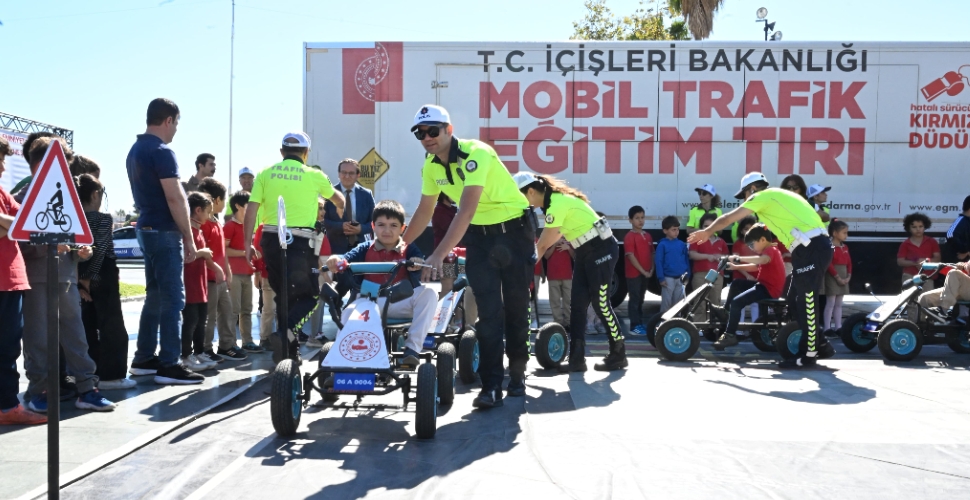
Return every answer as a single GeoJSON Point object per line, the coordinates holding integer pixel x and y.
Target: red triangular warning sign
{"type": "Point", "coordinates": [59, 209]}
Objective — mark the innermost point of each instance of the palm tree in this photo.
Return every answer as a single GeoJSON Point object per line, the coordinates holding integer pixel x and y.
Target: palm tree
{"type": "Point", "coordinates": [699, 15]}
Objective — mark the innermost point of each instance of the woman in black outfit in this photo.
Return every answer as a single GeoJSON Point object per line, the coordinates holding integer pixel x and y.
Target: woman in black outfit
{"type": "Point", "coordinates": [101, 313]}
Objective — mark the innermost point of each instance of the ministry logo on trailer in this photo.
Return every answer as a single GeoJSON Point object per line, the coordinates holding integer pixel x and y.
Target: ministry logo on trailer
{"type": "Point", "coordinates": [372, 75]}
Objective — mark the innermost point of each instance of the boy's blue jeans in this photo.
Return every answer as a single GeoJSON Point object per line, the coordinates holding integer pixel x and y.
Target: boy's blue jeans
{"type": "Point", "coordinates": [742, 294]}
{"type": "Point", "coordinates": [161, 316]}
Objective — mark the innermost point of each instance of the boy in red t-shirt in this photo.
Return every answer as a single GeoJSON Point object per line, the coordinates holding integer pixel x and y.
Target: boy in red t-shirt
{"type": "Point", "coordinates": [196, 291]}
{"type": "Point", "coordinates": [559, 277]}
{"type": "Point", "coordinates": [388, 221]}
{"type": "Point", "coordinates": [317, 336]}
{"type": "Point", "coordinates": [13, 282]}
{"type": "Point", "coordinates": [704, 257]}
{"type": "Point", "coordinates": [219, 276]}
{"type": "Point", "coordinates": [771, 281]}
{"type": "Point", "coordinates": [638, 250]}
{"type": "Point", "coordinates": [742, 250]}
{"type": "Point", "coordinates": [241, 284]}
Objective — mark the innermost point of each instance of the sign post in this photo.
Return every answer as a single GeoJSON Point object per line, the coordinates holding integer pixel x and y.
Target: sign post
{"type": "Point", "coordinates": [57, 221]}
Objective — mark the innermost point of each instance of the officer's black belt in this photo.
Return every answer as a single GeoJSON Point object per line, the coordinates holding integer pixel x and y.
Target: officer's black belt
{"type": "Point", "coordinates": [299, 232]}
{"type": "Point", "coordinates": [500, 228]}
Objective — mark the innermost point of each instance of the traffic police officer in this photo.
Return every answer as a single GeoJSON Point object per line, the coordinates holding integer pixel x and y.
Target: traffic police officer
{"type": "Point", "coordinates": [569, 215]}
{"type": "Point", "coordinates": [300, 186]}
{"type": "Point", "coordinates": [795, 223]}
{"type": "Point", "coordinates": [499, 237]}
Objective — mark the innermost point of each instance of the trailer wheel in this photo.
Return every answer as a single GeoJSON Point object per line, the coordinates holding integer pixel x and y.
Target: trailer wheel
{"type": "Point", "coordinates": [324, 378]}
{"type": "Point", "coordinates": [468, 357]}
{"type": "Point", "coordinates": [552, 345]}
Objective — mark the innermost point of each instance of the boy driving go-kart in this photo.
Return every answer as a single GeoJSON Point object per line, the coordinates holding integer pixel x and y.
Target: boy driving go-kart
{"type": "Point", "coordinates": [769, 285]}
{"type": "Point", "coordinates": [388, 221]}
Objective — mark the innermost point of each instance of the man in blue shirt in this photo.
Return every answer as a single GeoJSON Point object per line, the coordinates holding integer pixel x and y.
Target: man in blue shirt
{"type": "Point", "coordinates": [672, 262]}
{"type": "Point", "coordinates": [163, 228]}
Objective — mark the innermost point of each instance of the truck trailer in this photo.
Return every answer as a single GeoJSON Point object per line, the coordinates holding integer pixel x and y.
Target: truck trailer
{"type": "Point", "coordinates": [645, 123]}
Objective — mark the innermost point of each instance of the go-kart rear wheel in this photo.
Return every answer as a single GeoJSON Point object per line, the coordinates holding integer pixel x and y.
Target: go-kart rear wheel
{"type": "Point", "coordinates": [761, 337]}
{"type": "Point", "coordinates": [551, 345]}
{"type": "Point", "coordinates": [677, 339]}
{"type": "Point", "coordinates": [468, 357]}
{"type": "Point", "coordinates": [959, 341]}
{"type": "Point", "coordinates": [900, 340]}
{"type": "Point", "coordinates": [854, 336]}
{"type": "Point", "coordinates": [446, 373]}
{"type": "Point", "coordinates": [651, 326]}
{"type": "Point", "coordinates": [324, 379]}
{"type": "Point", "coordinates": [286, 401]}
{"type": "Point", "coordinates": [786, 342]}
{"type": "Point", "coordinates": [426, 402]}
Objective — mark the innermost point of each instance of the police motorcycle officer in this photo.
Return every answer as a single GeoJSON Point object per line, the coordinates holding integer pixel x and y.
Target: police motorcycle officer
{"type": "Point", "coordinates": [499, 237]}
{"type": "Point", "coordinates": [568, 215]}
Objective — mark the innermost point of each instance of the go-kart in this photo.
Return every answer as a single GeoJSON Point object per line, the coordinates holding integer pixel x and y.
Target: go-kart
{"type": "Point", "coordinates": [451, 330]}
{"type": "Point", "coordinates": [359, 363]}
{"type": "Point", "coordinates": [902, 338]}
{"type": "Point", "coordinates": [677, 335]}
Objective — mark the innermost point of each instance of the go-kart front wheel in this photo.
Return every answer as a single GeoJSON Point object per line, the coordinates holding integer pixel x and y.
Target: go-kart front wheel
{"type": "Point", "coordinates": [551, 345]}
{"type": "Point", "coordinates": [426, 402]}
{"type": "Point", "coordinates": [786, 342]}
{"type": "Point", "coordinates": [286, 398]}
{"type": "Point", "coordinates": [445, 363]}
{"type": "Point", "coordinates": [468, 357]}
{"type": "Point", "coordinates": [900, 340]}
{"type": "Point", "coordinates": [959, 341]}
{"type": "Point", "coordinates": [677, 339]}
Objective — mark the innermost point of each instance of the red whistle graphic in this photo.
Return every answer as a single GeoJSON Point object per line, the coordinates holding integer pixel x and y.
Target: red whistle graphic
{"type": "Point", "coordinates": [951, 84]}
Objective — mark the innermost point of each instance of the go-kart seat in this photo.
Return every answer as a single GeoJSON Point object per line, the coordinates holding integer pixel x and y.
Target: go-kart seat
{"type": "Point", "coordinates": [773, 302]}
{"type": "Point", "coordinates": [398, 321]}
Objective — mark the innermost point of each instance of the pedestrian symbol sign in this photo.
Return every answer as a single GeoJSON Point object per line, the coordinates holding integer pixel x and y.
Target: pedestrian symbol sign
{"type": "Point", "coordinates": [372, 167]}
{"type": "Point", "coordinates": [52, 205]}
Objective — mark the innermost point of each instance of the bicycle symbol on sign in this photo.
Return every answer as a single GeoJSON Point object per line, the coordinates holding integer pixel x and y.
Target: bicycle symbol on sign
{"type": "Point", "coordinates": [54, 213]}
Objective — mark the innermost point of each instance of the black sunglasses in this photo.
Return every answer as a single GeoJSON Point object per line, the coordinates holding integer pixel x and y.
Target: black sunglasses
{"type": "Point", "coordinates": [431, 132]}
{"type": "Point", "coordinates": [792, 187]}
{"type": "Point", "coordinates": [750, 245]}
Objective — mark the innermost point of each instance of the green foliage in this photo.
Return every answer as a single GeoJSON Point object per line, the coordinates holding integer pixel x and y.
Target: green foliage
{"type": "Point", "coordinates": [598, 24]}
{"type": "Point", "coordinates": [130, 289]}
{"type": "Point", "coordinates": [644, 24]}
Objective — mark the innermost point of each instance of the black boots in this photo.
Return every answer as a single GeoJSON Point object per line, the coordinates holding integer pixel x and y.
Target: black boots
{"type": "Point", "coordinates": [577, 357]}
{"type": "Point", "coordinates": [615, 360]}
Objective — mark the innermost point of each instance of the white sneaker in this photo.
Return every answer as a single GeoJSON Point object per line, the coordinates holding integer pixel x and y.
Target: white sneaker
{"type": "Point", "coordinates": [206, 358]}
{"type": "Point", "coordinates": [192, 364]}
{"type": "Point", "coordinates": [116, 385]}
{"type": "Point", "coordinates": [205, 361]}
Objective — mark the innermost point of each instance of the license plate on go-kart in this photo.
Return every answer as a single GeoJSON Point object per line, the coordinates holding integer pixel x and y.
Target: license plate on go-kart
{"type": "Point", "coordinates": [354, 382]}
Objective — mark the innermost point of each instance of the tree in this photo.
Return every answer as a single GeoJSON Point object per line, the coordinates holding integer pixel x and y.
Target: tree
{"type": "Point", "coordinates": [598, 23]}
{"type": "Point", "coordinates": [699, 15]}
{"type": "Point", "coordinates": [644, 24]}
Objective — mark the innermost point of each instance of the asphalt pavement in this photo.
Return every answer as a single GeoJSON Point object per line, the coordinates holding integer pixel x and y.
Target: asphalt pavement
{"type": "Point", "coordinates": [726, 425]}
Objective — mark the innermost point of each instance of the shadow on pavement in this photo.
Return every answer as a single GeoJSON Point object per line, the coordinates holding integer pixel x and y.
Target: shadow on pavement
{"type": "Point", "coordinates": [831, 389]}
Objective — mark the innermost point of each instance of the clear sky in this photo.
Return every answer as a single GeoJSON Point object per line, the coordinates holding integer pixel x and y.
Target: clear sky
{"type": "Point", "coordinates": [93, 66]}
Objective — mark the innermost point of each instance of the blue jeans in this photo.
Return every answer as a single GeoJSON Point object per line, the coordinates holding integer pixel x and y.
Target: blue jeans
{"type": "Point", "coordinates": [12, 319]}
{"type": "Point", "coordinates": [161, 315]}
